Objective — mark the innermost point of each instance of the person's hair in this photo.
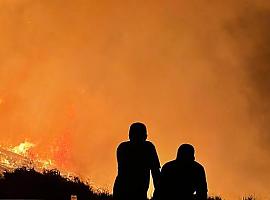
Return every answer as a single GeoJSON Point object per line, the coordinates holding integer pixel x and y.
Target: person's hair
{"type": "Point", "coordinates": [186, 152]}
{"type": "Point", "coordinates": [137, 132]}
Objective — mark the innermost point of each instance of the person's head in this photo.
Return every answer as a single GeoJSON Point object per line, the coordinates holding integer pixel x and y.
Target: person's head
{"type": "Point", "coordinates": [137, 132]}
{"type": "Point", "coordinates": [186, 153]}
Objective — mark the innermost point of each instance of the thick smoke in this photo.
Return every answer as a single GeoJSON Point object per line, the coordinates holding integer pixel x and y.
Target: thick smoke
{"type": "Point", "coordinates": [75, 74]}
{"type": "Point", "coordinates": [254, 28]}
{"type": "Point", "coordinates": [249, 32]}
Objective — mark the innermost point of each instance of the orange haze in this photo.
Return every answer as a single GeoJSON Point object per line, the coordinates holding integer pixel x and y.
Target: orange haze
{"type": "Point", "coordinates": [76, 73]}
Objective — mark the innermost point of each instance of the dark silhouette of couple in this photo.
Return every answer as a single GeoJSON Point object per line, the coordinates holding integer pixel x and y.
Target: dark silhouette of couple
{"type": "Point", "coordinates": [180, 179]}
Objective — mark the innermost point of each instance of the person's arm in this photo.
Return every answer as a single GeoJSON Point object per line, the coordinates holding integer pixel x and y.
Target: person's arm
{"type": "Point", "coordinates": [156, 176]}
{"type": "Point", "coordinates": [201, 191]}
{"type": "Point", "coordinates": [155, 167]}
{"type": "Point", "coordinates": [161, 188]}
{"type": "Point", "coordinates": [120, 157]}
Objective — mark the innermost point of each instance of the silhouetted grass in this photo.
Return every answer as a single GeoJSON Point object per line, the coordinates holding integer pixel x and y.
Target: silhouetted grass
{"type": "Point", "coordinates": [214, 198]}
{"type": "Point", "coordinates": [250, 197]}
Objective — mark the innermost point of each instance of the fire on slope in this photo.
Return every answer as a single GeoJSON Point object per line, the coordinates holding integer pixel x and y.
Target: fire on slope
{"type": "Point", "coordinates": [22, 148]}
{"type": "Point", "coordinates": [22, 156]}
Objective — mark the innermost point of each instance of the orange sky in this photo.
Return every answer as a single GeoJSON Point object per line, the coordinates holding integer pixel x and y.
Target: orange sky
{"type": "Point", "coordinates": [194, 71]}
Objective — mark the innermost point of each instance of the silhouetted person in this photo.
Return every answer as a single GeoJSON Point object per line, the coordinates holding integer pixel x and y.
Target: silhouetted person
{"type": "Point", "coordinates": [183, 178]}
{"type": "Point", "coordinates": [136, 158]}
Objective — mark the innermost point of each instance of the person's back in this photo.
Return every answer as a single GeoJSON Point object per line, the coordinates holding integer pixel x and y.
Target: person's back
{"type": "Point", "coordinates": [136, 158]}
{"type": "Point", "coordinates": [183, 178]}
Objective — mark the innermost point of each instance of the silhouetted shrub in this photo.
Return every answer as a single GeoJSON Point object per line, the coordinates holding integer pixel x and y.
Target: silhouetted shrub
{"type": "Point", "coordinates": [214, 198]}
{"type": "Point", "coordinates": [250, 197]}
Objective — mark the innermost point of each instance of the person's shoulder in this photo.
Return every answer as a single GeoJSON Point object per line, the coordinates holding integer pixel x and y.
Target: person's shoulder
{"type": "Point", "coordinates": [198, 166]}
{"type": "Point", "coordinates": [123, 145]}
{"type": "Point", "coordinates": [149, 145]}
{"type": "Point", "coordinates": [169, 165]}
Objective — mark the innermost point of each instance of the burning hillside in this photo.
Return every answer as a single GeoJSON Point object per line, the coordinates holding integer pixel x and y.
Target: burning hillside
{"type": "Point", "coordinates": [22, 155]}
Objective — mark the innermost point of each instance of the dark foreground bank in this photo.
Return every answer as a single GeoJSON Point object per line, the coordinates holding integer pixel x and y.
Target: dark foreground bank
{"type": "Point", "coordinates": [26, 183]}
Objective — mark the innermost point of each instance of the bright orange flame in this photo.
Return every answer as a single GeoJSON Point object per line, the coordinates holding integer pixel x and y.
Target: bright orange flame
{"type": "Point", "coordinates": [23, 148]}
{"type": "Point", "coordinates": [5, 161]}
{"type": "Point", "coordinates": [19, 156]}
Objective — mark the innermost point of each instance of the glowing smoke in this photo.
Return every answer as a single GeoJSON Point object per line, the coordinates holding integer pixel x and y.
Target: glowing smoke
{"type": "Point", "coordinates": [78, 73]}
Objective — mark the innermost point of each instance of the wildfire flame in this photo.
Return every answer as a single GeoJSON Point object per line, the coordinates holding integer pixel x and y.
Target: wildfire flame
{"type": "Point", "coordinates": [20, 156]}
{"type": "Point", "coordinates": [5, 161]}
{"type": "Point", "coordinates": [23, 148]}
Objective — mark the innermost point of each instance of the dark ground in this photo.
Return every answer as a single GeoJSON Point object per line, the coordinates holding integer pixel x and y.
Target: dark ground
{"type": "Point", "coordinates": [29, 184]}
